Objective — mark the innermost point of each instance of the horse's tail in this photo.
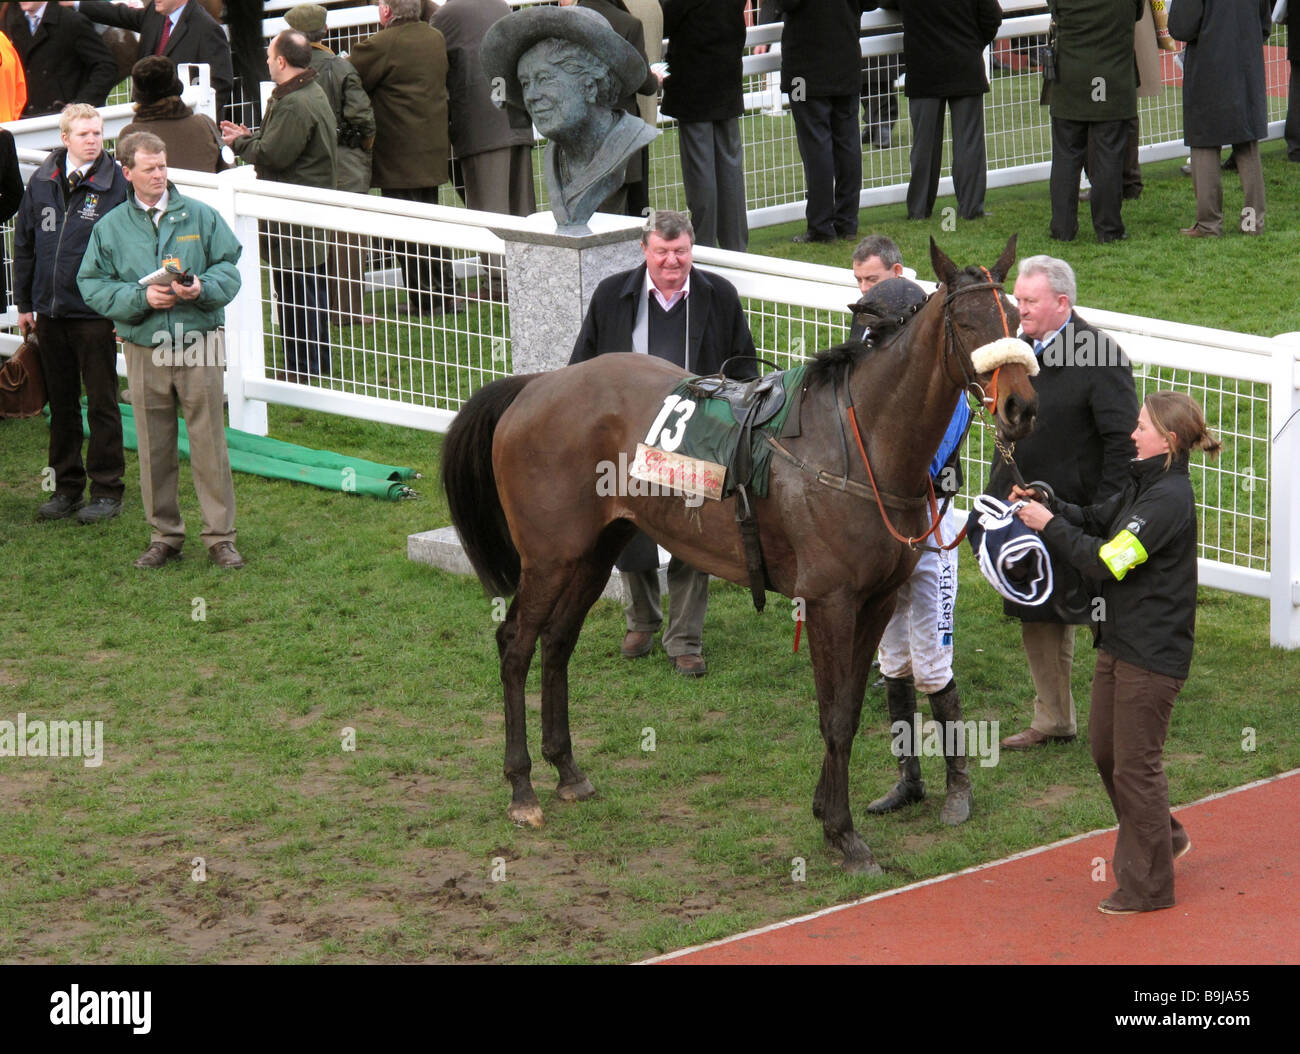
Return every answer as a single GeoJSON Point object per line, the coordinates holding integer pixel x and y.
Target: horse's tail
{"type": "Point", "coordinates": [471, 487]}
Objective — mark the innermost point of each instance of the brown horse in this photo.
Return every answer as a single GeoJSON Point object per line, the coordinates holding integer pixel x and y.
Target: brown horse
{"type": "Point", "coordinates": [521, 462]}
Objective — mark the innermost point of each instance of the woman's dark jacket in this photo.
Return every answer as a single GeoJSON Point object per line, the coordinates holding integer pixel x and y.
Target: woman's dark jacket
{"type": "Point", "coordinates": [1149, 617]}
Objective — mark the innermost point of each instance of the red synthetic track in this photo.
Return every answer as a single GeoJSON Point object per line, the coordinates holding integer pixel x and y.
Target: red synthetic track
{"type": "Point", "coordinates": [1236, 894]}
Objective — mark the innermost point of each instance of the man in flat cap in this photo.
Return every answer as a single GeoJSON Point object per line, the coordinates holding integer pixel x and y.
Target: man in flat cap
{"type": "Point", "coordinates": [568, 70]}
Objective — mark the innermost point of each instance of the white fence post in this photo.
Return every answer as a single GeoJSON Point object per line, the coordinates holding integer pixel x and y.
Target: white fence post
{"type": "Point", "coordinates": [245, 351]}
{"type": "Point", "coordinates": [1284, 495]}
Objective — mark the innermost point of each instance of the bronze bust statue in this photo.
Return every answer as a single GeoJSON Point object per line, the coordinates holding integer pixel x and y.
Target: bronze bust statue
{"type": "Point", "coordinates": [566, 69]}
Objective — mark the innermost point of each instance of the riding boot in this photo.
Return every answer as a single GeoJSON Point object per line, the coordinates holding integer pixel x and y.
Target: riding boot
{"type": "Point", "coordinates": [910, 788]}
{"type": "Point", "coordinates": [945, 705]}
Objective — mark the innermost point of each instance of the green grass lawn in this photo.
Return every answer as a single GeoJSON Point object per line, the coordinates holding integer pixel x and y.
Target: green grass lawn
{"type": "Point", "coordinates": [224, 736]}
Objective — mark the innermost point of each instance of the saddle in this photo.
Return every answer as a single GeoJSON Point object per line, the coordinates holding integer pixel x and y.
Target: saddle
{"type": "Point", "coordinates": [753, 403]}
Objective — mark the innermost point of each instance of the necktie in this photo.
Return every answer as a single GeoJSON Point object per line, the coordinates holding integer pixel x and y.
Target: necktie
{"type": "Point", "coordinates": [153, 215]}
{"type": "Point", "coordinates": [166, 36]}
{"type": "Point", "coordinates": [1038, 347]}
{"type": "Point", "coordinates": [34, 22]}
{"type": "Point", "coordinates": [73, 179]}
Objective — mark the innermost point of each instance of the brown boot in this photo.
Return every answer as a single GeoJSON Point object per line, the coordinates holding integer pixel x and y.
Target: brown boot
{"type": "Point", "coordinates": [910, 788]}
{"type": "Point", "coordinates": [945, 705]}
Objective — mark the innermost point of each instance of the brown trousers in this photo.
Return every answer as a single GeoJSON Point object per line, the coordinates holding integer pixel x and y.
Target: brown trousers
{"type": "Point", "coordinates": [1207, 181]}
{"type": "Point", "coordinates": [1130, 715]}
{"type": "Point", "coordinates": [156, 391]}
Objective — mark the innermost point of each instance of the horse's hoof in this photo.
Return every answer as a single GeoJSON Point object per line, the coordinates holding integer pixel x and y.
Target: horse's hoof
{"type": "Point", "coordinates": [528, 814]}
{"type": "Point", "coordinates": [862, 867]}
{"type": "Point", "coordinates": [956, 810]}
{"type": "Point", "coordinates": [580, 791]}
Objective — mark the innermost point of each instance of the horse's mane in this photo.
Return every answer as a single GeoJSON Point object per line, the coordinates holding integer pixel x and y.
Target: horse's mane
{"type": "Point", "coordinates": [837, 361]}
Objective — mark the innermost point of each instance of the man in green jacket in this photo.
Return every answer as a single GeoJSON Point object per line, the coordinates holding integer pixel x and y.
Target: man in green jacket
{"type": "Point", "coordinates": [356, 122]}
{"type": "Point", "coordinates": [297, 143]}
{"type": "Point", "coordinates": [1093, 100]}
{"type": "Point", "coordinates": [172, 336]}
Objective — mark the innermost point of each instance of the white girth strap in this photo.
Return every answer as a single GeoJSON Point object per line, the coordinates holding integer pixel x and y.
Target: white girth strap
{"type": "Point", "coordinates": [1002, 351]}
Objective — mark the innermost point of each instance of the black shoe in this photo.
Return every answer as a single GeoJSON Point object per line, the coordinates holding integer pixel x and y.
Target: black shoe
{"type": "Point", "coordinates": [1121, 237]}
{"type": "Point", "coordinates": [60, 507]}
{"type": "Point", "coordinates": [99, 510]}
{"type": "Point", "coordinates": [809, 237]}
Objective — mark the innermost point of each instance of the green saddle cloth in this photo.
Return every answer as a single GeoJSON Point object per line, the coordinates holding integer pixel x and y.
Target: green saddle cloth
{"type": "Point", "coordinates": [712, 433]}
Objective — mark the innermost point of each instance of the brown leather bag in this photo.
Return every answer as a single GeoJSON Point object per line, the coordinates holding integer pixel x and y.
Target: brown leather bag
{"type": "Point", "coordinates": [22, 388]}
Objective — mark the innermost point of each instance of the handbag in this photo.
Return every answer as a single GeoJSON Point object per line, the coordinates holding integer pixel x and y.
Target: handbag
{"type": "Point", "coordinates": [22, 386]}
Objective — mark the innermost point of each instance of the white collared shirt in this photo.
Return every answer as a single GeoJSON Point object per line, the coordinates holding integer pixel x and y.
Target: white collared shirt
{"type": "Point", "coordinates": [160, 205]}
{"type": "Point", "coordinates": [641, 327]}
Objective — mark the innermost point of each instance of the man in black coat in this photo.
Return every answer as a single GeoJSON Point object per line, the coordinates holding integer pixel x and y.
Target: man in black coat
{"type": "Point", "coordinates": [943, 49]}
{"type": "Point", "coordinates": [668, 309]}
{"type": "Point", "coordinates": [1081, 445]}
{"type": "Point", "coordinates": [76, 186]}
{"type": "Point", "coordinates": [179, 29]}
{"type": "Point", "coordinates": [706, 42]}
{"type": "Point", "coordinates": [63, 58]}
{"type": "Point", "coordinates": [1224, 101]}
{"type": "Point", "coordinates": [821, 71]}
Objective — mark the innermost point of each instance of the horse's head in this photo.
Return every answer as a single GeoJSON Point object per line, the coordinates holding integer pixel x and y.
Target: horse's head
{"type": "Point", "coordinates": [982, 353]}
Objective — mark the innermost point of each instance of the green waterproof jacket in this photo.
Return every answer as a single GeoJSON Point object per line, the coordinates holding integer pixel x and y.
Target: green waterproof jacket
{"type": "Point", "coordinates": [124, 247]}
{"type": "Point", "coordinates": [298, 140]}
{"type": "Point", "coordinates": [354, 114]}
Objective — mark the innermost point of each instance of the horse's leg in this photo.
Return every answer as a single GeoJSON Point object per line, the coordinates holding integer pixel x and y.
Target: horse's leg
{"type": "Point", "coordinates": [842, 637]}
{"type": "Point", "coordinates": [558, 641]}
{"type": "Point", "coordinates": [516, 640]}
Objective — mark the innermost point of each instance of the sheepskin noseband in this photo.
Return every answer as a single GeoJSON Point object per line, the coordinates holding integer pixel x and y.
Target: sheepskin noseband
{"type": "Point", "coordinates": [1001, 352]}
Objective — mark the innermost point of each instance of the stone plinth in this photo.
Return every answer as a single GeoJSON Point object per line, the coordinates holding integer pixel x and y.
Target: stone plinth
{"type": "Point", "coordinates": [551, 276]}
{"type": "Point", "coordinates": [442, 549]}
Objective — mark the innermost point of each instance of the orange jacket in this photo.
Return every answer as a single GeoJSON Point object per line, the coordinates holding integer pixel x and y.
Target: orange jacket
{"type": "Point", "coordinates": [13, 82]}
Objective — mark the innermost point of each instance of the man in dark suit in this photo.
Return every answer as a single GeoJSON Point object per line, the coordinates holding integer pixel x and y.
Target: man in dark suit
{"type": "Point", "coordinates": [180, 29]}
{"type": "Point", "coordinates": [668, 309]}
{"type": "Point", "coordinates": [1081, 445]}
{"type": "Point", "coordinates": [704, 91]}
{"type": "Point", "coordinates": [821, 71]}
{"type": "Point", "coordinates": [495, 159]}
{"type": "Point", "coordinates": [63, 58]}
{"type": "Point", "coordinates": [943, 49]}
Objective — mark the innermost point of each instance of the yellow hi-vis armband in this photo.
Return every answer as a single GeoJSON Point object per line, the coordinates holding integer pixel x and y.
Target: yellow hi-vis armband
{"type": "Point", "coordinates": [1122, 552]}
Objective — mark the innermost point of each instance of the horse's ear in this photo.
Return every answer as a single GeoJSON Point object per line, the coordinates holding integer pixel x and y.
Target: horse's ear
{"type": "Point", "coordinates": [1002, 268]}
{"type": "Point", "coordinates": [944, 269]}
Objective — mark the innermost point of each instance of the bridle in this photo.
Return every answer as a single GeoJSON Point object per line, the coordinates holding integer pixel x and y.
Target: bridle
{"type": "Point", "coordinates": [952, 348]}
{"type": "Point", "coordinates": [952, 343]}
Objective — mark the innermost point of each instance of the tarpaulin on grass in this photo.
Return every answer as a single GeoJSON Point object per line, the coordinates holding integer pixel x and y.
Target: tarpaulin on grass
{"type": "Point", "coordinates": [276, 459]}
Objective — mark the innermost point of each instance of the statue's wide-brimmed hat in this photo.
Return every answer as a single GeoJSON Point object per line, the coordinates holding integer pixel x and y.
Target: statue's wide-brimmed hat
{"type": "Point", "coordinates": [510, 37]}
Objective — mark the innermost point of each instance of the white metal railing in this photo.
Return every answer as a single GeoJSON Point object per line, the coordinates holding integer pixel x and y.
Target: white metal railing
{"type": "Point", "coordinates": [416, 371]}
